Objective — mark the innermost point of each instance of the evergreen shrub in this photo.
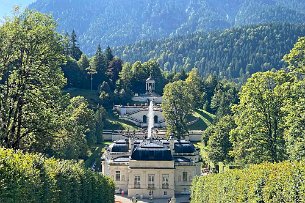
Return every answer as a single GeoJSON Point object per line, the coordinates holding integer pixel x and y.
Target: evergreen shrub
{"type": "Point", "coordinates": [263, 183]}
{"type": "Point", "coordinates": [26, 177]}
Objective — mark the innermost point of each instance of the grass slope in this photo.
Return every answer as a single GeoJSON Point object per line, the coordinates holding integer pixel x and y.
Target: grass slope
{"type": "Point", "coordinates": [91, 96]}
{"type": "Point", "coordinates": [113, 122]}
{"type": "Point", "coordinates": [204, 119]}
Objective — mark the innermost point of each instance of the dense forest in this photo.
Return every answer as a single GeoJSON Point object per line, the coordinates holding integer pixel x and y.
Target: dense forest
{"type": "Point", "coordinates": [234, 53]}
{"type": "Point", "coordinates": [112, 81]}
{"type": "Point", "coordinates": [117, 23]}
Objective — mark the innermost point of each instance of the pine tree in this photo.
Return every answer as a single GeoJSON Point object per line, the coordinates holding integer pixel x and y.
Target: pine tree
{"type": "Point", "coordinates": [113, 70]}
{"type": "Point", "coordinates": [108, 54]}
{"type": "Point", "coordinates": [98, 63]}
{"type": "Point", "coordinates": [75, 50]}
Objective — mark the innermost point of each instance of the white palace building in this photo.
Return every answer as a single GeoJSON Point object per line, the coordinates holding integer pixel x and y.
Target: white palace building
{"type": "Point", "coordinates": [152, 168]}
{"type": "Point", "coordinates": [149, 165]}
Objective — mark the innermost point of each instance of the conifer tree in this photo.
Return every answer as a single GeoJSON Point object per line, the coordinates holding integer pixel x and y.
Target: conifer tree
{"type": "Point", "coordinates": [98, 63]}
{"type": "Point", "coordinates": [113, 70]}
{"type": "Point", "coordinates": [108, 54]}
{"type": "Point", "coordinates": [75, 50]}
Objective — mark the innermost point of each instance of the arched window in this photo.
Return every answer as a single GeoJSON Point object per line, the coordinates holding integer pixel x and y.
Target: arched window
{"type": "Point", "coordinates": [156, 119]}
{"type": "Point", "coordinates": [144, 119]}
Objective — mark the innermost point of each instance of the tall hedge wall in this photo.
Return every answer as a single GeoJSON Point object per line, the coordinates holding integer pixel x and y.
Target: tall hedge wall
{"type": "Point", "coordinates": [34, 178]}
{"type": "Point", "coordinates": [264, 183]}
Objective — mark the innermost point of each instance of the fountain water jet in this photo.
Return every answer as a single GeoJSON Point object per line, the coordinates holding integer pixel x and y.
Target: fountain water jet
{"type": "Point", "coordinates": [150, 118]}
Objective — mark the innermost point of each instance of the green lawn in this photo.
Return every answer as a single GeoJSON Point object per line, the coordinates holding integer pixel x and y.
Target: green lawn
{"type": "Point", "coordinates": [205, 119]}
{"type": "Point", "coordinates": [206, 114]}
{"type": "Point", "coordinates": [113, 122]}
{"type": "Point", "coordinates": [91, 96]}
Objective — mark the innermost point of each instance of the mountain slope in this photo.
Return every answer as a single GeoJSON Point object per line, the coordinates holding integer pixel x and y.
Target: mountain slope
{"type": "Point", "coordinates": [121, 22]}
{"type": "Point", "coordinates": [232, 53]}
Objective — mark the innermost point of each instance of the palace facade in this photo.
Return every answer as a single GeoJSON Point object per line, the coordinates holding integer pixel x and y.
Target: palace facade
{"type": "Point", "coordinates": [152, 168]}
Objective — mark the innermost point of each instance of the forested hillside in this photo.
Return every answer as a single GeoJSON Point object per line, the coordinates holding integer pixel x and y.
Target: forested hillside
{"type": "Point", "coordinates": [232, 53]}
{"type": "Point", "coordinates": [120, 22]}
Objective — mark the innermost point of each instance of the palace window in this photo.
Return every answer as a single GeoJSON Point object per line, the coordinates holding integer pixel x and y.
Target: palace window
{"type": "Point", "coordinates": [137, 182]}
{"type": "Point", "coordinates": [165, 179]}
{"type": "Point", "coordinates": [156, 119]}
{"type": "Point", "coordinates": [151, 181]}
{"type": "Point", "coordinates": [117, 176]}
{"type": "Point", "coordinates": [184, 176]}
{"type": "Point", "coordinates": [144, 119]}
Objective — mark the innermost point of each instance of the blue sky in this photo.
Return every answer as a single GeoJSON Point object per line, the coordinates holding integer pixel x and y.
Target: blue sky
{"type": "Point", "coordinates": [6, 6]}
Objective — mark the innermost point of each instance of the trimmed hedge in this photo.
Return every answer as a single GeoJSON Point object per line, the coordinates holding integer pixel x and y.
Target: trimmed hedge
{"type": "Point", "coordinates": [263, 183]}
{"type": "Point", "coordinates": [34, 178]}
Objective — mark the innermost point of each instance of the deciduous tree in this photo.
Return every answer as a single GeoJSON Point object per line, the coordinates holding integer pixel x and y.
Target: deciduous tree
{"type": "Point", "coordinates": [176, 105]}
{"type": "Point", "coordinates": [259, 117]}
{"type": "Point", "coordinates": [30, 80]}
{"type": "Point", "coordinates": [225, 96]}
{"type": "Point", "coordinates": [219, 144]}
{"type": "Point", "coordinates": [195, 85]}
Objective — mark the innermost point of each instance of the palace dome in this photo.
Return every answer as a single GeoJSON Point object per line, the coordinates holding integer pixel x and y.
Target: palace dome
{"type": "Point", "coordinates": [119, 146]}
{"type": "Point", "coordinates": [184, 147]}
{"type": "Point", "coordinates": [151, 152]}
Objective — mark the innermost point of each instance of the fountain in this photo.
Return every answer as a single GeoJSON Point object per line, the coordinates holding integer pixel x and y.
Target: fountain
{"type": "Point", "coordinates": [150, 118]}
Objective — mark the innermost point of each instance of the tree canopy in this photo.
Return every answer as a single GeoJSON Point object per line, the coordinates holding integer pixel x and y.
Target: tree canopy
{"type": "Point", "coordinates": [176, 105]}
{"type": "Point", "coordinates": [35, 115]}
{"type": "Point", "coordinates": [30, 79]}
